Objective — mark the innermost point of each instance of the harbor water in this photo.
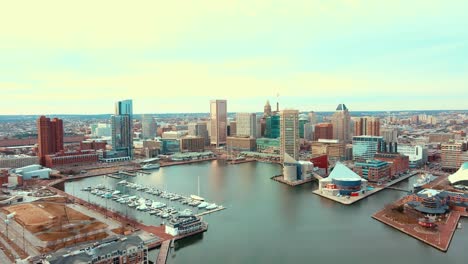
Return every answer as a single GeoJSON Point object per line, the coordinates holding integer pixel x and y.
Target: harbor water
{"type": "Point", "coordinates": [269, 222]}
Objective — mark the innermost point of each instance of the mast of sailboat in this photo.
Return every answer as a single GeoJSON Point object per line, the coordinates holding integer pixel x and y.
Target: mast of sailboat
{"type": "Point", "coordinates": [198, 186]}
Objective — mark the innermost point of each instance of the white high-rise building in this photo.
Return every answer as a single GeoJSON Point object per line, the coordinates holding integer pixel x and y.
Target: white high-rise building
{"type": "Point", "coordinates": [289, 133]}
{"type": "Point", "coordinates": [218, 119]}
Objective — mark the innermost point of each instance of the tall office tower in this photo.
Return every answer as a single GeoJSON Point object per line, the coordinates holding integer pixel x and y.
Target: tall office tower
{"type": "Point", "coordinates": [312, 117]}
{"type": "Point", "coordinates": [389, 134]}
{"type": "Point", "coordinates": [199, 129]}
{"type": "Point", "coordinates": [289, 135]}
{"type": "Point", "coordinates": [323, 131]}
{"type": "Point", "coordinates": [49, 137]}
{"type": "Point", "coordinates": [246, 125]}
{"type": "Point", "coordinates": [122, 127]}
{"type": "Point", "coordinates": [218, 117]}
{"type": "Point", "coordinates": [373, 126]}
{"type": "Point", "coordinates": [148, 127]}
{"type": "Point", "coordinates": [267, 109]}
{"type": "Point", "coordinates": [341, 124]}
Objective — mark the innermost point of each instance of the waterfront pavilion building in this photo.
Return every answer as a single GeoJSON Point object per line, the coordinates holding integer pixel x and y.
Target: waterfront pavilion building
{"type": "Point", "coordinates": [342, 181]}
{"type": "Point", "coordinates": [461, 176]}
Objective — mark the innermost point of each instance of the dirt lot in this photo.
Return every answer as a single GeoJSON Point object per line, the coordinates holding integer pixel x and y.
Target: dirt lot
{"type": "Point", "coordinates": [52, 219]}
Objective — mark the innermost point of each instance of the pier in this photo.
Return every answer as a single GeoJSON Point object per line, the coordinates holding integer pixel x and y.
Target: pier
{"type": "Point", "coordinates": [113, 176]}
{"type": "Point", "coordinates": [210, 211]}
{"type": "Point", "coordinates": [280, 178]}
{"type": "Point", "coordinates": [163, 252]}
{"type": "Point", "coordinates": [398, 189]}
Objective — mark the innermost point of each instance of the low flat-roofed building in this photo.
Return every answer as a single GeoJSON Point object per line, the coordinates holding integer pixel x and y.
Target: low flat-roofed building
{"type": "Point", "coordinates": [241, 143]}
{"type": "Point", "coordinates": [16, 161]}
{"type": "Point", "coordinates": [115, 250]}
{"type": "Point", "coordinates": [192, 144]}
{"type": "Point", "coordinates": [32, 172]}
{"type": "Point", "coordinates": [333, 148]}
{"type": "Point", "coordinates": [373, 170]}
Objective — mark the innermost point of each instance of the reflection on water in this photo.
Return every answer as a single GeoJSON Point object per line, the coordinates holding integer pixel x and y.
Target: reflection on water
{"type": "Point", "coordinates": [269, 222]}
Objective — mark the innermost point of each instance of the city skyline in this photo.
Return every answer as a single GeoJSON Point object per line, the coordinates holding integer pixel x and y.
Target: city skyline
{"type": "Point", "coordinates": [168, 59]}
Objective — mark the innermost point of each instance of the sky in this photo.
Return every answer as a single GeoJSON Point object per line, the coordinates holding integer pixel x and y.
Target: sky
{"type": "Point", "coordinates": [79, 57]}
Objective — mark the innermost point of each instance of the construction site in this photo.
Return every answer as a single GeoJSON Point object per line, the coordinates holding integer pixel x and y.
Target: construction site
{"type": "Point", "coordinates": [54, 224]}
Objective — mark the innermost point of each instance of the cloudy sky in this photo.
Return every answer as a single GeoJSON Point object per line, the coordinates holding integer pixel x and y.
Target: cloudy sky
{"type": "Point", "coordinates": [174, 56]}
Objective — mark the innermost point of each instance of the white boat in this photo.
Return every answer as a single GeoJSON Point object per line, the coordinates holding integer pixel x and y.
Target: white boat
{"type": "Point", "coordinates": [165, 215]}
{"type": "Point", "coordinates": [132, 204]}
{"type": "Point", "coordinates": [203, 205]}
{"type": "Point", "coordinates": [151, 166]}
{"type": "Point", "coordinates": [116, 192]}
{"type": "Point", "coordinates": [142, 207]}
{"type": "Point", "coordinates": [124, 182]}
{"type": "Point", "coordinates": [211, 206]}
{"type": "Point", "coordinates": [196, 197]}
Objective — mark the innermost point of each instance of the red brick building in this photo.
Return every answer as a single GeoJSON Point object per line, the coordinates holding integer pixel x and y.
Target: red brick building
{"type": "Point", "coordinates": [93, 145]}
{"type": "Point", "coordinates": [373, 170]}
{"type": "Point", "coordinates": [398, 163]}
{"type": "Point", "coordinates": [71, 158]}
{"type": "Point", "coordinates": [323, 131]}
{"type": "Point", "coordinates": [49, 137]}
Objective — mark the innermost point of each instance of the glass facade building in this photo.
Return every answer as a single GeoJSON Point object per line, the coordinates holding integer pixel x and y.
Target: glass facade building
{"type": "Point", "coordinates": [365, 147]}
{"type": "Point", "coordinates": [272, 129]}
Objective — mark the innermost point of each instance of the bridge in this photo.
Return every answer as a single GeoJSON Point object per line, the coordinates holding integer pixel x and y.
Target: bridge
{"type": "Point", "coordinates": [398, 189]}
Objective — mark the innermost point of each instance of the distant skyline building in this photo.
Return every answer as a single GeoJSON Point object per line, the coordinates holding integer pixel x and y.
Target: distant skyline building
{"type": "Point", "coordinates": [312, 117]}
{"type": "Point", "coordinates": [218, 118]}
{"type": "Point", "coordinates": [122, 128]}
{"type": "Point", "coordinates": [148, 127]}
{"type": "Point", "coordinates": [389, 134]}
{"type": "Point", "coordinates": [267, 109]}
{"type": "Point", "coordinates": [369, 126]}
{"type": "Point", "coordinates": [199, 129]}
{"type": "Point", "coordinates": [289, 133]}
{"type": "Point", "coordinates": [49, 137]}
{"type": "Point", "coordinates": [341, 121]}
{"type": "Point", "coordinates": [323, 131]}
{"type": "Point", "coordinates": [246, 125]}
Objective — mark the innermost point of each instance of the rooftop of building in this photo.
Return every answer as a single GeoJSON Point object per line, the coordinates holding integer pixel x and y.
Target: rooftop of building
{"type": "Point", "coordinates": [86, 252]}
{"type": "Point", "coordinates": [461, 175]}
{"type": "Point", "coordinates": [341, 107]}
{"type": "Point", "coordinates": [341, 172]}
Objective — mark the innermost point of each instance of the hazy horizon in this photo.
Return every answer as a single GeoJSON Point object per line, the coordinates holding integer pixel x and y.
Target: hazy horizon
{"type": "Point", "coordinates": [173, 57]}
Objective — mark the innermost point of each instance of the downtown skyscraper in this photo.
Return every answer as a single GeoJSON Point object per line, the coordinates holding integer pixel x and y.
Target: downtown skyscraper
{"type": "Point", "coordinates": [148, 127]}
{"type": "Point", "coordinates": [289, 133]}
{"type": "Point", "coordinates": [218, 119]}
{"type": "Point", "coordinates": [122, 128]}
{"type": "Point", "coordinates": [341, 121]}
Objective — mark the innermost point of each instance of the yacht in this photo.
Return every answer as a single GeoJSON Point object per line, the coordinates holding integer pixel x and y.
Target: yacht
{"type": "Point", "coordinates": [151, 166]}
{"type": "Point", "coordinates": [132, 204]}
{"type": "Point", "coordinates": [211, 206]}
{"type": "Point", "coordinates": [165, 215]}
{"type": "Point", "coordinates": [87, 189]}
{"type": "Point", "coordinates": [203, 205]}
{"type": "Point", "coordinates": [422, 180]}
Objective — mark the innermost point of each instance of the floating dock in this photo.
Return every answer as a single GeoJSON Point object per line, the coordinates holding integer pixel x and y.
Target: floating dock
{"type": "Point", "coordinates": [114, 176]}
{"type": "Point", "coordinates": [210, 211]}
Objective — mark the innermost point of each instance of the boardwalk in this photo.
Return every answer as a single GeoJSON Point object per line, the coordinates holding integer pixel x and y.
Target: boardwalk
{"type": "Point", "coordinates": [163, 252]}
{"type": "Point", "coordinates": [211, 211]}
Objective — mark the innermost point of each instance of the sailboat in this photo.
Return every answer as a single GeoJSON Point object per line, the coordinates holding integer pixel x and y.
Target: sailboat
{"type": "Point", "coordinates": [197, 197]}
